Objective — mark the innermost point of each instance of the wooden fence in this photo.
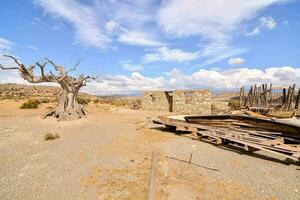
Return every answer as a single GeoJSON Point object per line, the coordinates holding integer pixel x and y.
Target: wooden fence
{"type": "Point", "coordinates": [264, 98]}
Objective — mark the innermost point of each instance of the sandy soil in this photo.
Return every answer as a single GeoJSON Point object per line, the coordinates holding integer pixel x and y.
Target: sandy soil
{"type": "Point", "coordinates": [108, 156]}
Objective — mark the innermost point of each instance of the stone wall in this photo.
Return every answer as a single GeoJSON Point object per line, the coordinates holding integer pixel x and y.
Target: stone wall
{"type": "Point", "coordinates": [179, 101]}
{"type": "Point", "coordinates": [156, 100]}
{"type": "Point", "coordinates": [192, 101]}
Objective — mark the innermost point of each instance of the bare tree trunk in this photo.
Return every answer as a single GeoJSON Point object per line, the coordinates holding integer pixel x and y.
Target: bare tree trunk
{"type": "Point", "coordinates": [68, 108]}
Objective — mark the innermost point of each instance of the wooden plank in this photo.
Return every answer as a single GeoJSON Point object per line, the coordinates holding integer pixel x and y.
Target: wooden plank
{"type": "Point", "coordinates": [254, 114]}
{"type": "Point", "coordinates": [253, 142]}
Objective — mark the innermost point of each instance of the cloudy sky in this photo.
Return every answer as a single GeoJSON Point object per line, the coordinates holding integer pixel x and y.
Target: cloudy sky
{"type": "Point", "coordinates": [135, 45]}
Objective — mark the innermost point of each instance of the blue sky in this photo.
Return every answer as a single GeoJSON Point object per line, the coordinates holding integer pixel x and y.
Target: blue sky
{"type": "Point", "coordinates": [136, 45]}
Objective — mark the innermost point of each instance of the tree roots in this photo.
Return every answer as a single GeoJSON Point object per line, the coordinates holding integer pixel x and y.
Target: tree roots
{"type": "Point", "coordinates": [66, 114]}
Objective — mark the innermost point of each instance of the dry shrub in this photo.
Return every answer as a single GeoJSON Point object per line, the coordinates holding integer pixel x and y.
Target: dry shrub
{"type": "Point", "coordinates": [83, 101]}
{"type": "Point", "coordinates": [234, 104]}
{"type": "Point", "coordinates": [50, 136]}
{"type": "Point", "coordinates": [44, 100]}
{"type": "Point", "coordinates": [30, 104]}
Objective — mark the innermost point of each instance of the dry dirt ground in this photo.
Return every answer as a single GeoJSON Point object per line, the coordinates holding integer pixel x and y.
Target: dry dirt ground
{"type": "Point", "coordinates": [108, 156]}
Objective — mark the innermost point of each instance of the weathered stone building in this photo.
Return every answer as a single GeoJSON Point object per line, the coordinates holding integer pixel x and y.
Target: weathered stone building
{"type": "Point", "coordinates": [158, 100]}
{"type": "Point", "coordinates": [178, 101]}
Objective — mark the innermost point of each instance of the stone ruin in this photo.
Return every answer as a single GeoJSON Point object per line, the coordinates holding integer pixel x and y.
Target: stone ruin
{"type": "Point", "coordinates": [178, 101]}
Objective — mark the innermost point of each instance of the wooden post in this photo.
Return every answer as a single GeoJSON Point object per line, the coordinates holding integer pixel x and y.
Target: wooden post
{"type": "Point", "coordinates": [254, 95]}
{"type": "Point", "coordinates": [283, 98]}
{"type": "Point", "coordinates": [297, 100]}
{"type": "Point", "coordinates": [243, 96]}
{"type": "Point", "coordinates": [249, 97]}
{"type": "Point", "coordinates": [270, 99]}
{"type": "Point", "coordinates": [291, 97]}
{"type": "Point", "coordinates": [151, 190]}
{"type": "Point", "coordinates": [190, 161]}
{"type": "Point", "coordinates": [241, 99]}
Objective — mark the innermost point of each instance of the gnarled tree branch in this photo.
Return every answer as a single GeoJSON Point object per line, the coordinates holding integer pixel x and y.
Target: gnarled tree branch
{"type": "Point", "coordinates": [68, 107]}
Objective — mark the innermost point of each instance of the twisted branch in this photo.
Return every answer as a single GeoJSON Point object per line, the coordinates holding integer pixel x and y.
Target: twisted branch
{"type": "Point", "coordinates": [61, 78]}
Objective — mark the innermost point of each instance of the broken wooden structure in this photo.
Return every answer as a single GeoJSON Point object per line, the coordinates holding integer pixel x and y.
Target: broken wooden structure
{"type": "Point", "coordinates": [247, 132]}
{"type": "Point", "coordinates": [271, 101]}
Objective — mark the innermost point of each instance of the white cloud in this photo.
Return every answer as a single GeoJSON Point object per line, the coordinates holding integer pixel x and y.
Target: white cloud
{"type": "Point", "coordinates": [8, 76]}
{"type": "Point", "coordinates": [132, 67]}
{"type": "Point", "coordinates": [32, 47]}
{"type": "Point", "coordinates": [110, 25]}
{"type": "Point", "coordinates": [255, 31]}
{"type": "Point", "coordinates": [121, 84]}
{"type": "Point", "coordinates": [219, 50]}
{"type": "Point", "coordinates": [5, 48]}
{"type": "Point", "coordinates": [266, 23]}
{"type": "Point", "coordinates": [204, 78]}
{"type": "Point", "coordinates": [213, 78]}
{"type": "Point", "coordinates": [5, 45]}
{"type": "Point", "coordinates": [129, 66]}
{"type": "Point", "coordinates": [138, 38]}
{"type": "Point", "coordinates": [99, 23]}
{"type": "Point", "coordinates": [86, 23]}
{"type": "Point", "coordinates": [145, 22]}
{"type": "Point", "coordinates": [170, 55]}
{"type": "Point", "coordinates": [215, 21]}
{"type": "Point", "coordinates": [236, 61]}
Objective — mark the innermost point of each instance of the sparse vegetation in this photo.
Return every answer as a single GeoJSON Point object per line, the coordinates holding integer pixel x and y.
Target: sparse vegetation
{"type": "Point", "coordinates": [96, 100]}
{"type": "Point", "coordinates": [34, 103]}
{"type": "Point", "coordinates": [51, 136]}
{"type": "Point", "coordinates": [44, 100]}
{"type": "Point", "coordinates": [128, 102]}
{"type": "Point", "coordinates": [83, 101]}
{"type": "Point", "coordinates": [234, 104]}
{"type": "Point", "coordinates": [30, 104]}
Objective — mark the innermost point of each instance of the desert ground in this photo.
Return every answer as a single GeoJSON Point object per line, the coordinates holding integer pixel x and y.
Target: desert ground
{"type": "Point", "coordinates": [108, 156]}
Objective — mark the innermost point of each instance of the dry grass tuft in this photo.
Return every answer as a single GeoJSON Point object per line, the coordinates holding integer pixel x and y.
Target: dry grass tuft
{"type": "Point", "coordinates": [50, 136]}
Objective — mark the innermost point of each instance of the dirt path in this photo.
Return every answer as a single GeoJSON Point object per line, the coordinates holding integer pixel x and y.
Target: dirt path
{"type": "Point", "coordinates": [108, 156]}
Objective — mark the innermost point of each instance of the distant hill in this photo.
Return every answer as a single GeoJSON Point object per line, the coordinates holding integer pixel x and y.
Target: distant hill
{"type": "Point", "coordinates": [224, 96]}
{"type": "Point", "coordinates": [12, 90]}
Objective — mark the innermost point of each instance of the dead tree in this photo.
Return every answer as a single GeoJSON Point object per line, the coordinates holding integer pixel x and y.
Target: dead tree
{"type": "Point", "coordinates": [67, 108]}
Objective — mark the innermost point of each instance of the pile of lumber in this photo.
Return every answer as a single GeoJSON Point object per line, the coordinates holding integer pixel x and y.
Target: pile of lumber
{"type": "Point", "coordinates": [250, 133]}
